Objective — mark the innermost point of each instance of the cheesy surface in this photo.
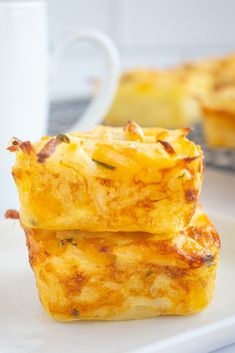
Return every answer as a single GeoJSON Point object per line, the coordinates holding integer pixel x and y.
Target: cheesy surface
{"type": "Point", "coordinates": [110, 179]}
{"type": "Point", "coordinates": [171, 97]}
{"type": "Point", "coordinates": [121, 276]}
{"type": "Point", "coordinates": [219, 118]}
{"type": "Point", "coordinates": [163, 98]}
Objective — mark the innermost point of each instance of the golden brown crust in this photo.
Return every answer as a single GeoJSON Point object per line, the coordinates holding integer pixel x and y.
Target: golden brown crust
{"type": "Point", "coordinates": [170, 97]}
{"type": "Point", "coordinates": [106, 181]}
{"type": "Point", "coordinates": [219, 118]}
{"type": "Point", "coordinates": [105, 276]}
{"type": "Point", "coordinates": [151, 97]}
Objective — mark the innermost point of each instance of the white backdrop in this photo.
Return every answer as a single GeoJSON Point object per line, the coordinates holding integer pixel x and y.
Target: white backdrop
{"type": "Point", "coordinates": [147, 32]}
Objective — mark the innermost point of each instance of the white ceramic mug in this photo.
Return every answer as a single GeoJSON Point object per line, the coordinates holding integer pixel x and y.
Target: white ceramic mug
{"type": "Point", "coordinates": [24, 77]}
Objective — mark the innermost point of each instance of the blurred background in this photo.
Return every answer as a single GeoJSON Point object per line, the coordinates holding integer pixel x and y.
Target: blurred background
{"type": "Point", "coordinates": [155, 33]}
{"type": "Point", "coordinates": [39, 97]}
{"type": "Point", "coordinates": [148, 34]}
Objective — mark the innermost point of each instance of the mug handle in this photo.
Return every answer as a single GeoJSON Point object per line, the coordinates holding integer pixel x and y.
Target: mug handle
{"type": "Point", "coordinates": [100, 105]}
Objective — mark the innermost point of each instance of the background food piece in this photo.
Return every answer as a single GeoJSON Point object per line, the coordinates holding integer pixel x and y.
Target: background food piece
{"type": "Point", "coordinates": [121, 276]}
{"type": "Point", "coordinates": [159, 98]}
{"type": "Point", "coordinates": [170, 98]}
{"type": "Point", "coordinates": [111, 179]}
{"type": "Point", "coordinates": [219, 118]}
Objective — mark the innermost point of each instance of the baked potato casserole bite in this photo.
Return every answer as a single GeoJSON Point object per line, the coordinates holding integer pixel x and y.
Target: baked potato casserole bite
{"type": "Point", "coordinates": [109, 179]}
{"type": "Point", "coordinates": [162, 98]}
{"type": "Point", "coordinates": [121, 276]}
{"type": "Point", "coordinates": [169, 97]}
{"type": "Point", "coordinates": [219, 118]}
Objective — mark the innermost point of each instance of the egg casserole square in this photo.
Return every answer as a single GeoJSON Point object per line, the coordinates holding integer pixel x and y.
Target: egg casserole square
{"type": "Point", "coordinates": [109, 179]}
{"type": "Point", "coordinates": [122, 276]}
{"type": "Point", "coordinates": [219, 118]}
{"type": "Point", "coordinates": [153, 97]}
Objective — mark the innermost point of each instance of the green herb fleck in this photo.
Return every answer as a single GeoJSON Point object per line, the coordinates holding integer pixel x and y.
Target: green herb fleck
{"type": "Point", "coordinates": [105, 165]}
{"type": "Point", "coordinates": [32, 222]}
{"type": "Point", "coordinates": [75, 312]}
{"type": "Point", "coordinates": [209, 260]}
{"type": "Point", "coordinates": [62, 138]}
{"type": "Point", "coordinates": [15, 143]}
{"type": "Point", "coordinates": [149, 272]}
{"type": "Point", "coordinates": [181, 176]}
{"type": "Point", "coordinates": [68, 240]}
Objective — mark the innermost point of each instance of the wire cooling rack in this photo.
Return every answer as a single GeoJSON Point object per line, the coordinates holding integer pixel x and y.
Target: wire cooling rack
{"type": "Point", "coordinates": [64, 113]}
{"type": "Point", "coordinates": [222, 158]}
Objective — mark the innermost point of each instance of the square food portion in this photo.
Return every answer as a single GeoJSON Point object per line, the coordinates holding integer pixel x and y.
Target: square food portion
{"type": "Point", "coordinates": [109, 179]}
{"type": "Point", "coordinates": [122, 276]}
{"type": "Point", "coordinates": [162, 98]}
{"type": "Point", "coordinates": [218, 111]}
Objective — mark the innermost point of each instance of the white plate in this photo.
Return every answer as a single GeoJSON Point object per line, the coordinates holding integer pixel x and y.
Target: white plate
{"type": "Point", "coordinates": [24, 327]}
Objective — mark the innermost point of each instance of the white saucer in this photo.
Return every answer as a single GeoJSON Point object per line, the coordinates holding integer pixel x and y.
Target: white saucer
{"type": "Point", "coordinates": [25, 327]}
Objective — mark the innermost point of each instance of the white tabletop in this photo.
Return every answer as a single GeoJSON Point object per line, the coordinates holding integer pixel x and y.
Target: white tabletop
{"type": "Point", "coordinates": [228, 349]}
{"type": "Point", "coordinates": [218, 194]}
